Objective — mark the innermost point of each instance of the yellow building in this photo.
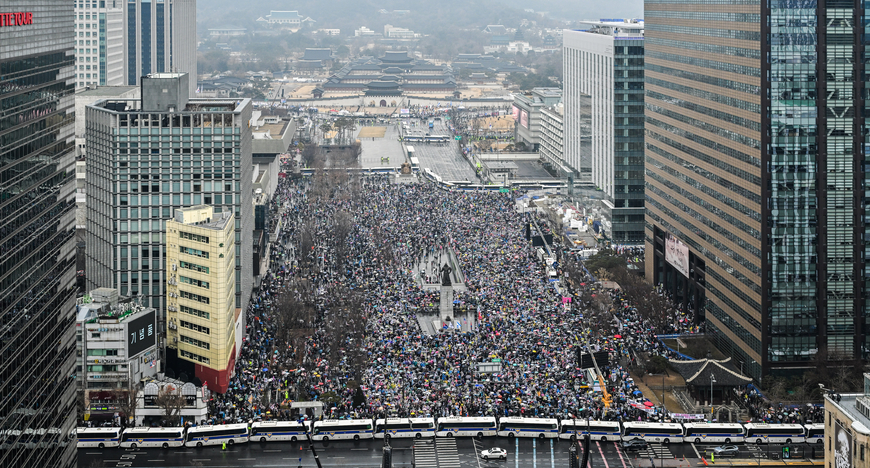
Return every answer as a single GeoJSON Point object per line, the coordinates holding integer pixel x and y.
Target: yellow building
{"type": "Point", "coordinates": [201, 289]}
{"type": "Point", "coordinates": [847, 429]}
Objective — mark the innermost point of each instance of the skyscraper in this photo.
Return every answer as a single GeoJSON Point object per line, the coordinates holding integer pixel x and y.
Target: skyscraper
{"type": "Point", "coordinates": [160, 38]}
{"type": "Point", "coordinates": [99, 43]}
{"type": "Point", "coordinates": [755, 149]}
{"type": "Point", "coordinates": [37, 204]}
{"type": "Point", "coordinates": [148, 157]}
{"type": "Point", "coordinates": [605, 62]}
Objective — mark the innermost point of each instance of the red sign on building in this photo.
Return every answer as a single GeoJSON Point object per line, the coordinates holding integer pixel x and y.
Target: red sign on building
{"type": "Point", "coordinates": [16, 19]}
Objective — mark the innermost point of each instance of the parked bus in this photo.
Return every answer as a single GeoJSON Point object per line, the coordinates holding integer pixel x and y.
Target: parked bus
{"type": "Point", "coordinates": [774, 433]}
{"type": "Point", "coordinates": [542, 428]}
{"type": "Point", "coordinates": [815, 433]}
{"type": "Point", "coordinates": [217, 435]}
{"type": "Point", "coordinates": [604, 431]}
{"type": "Point", "coordinates": [164, 437]}
{"type": "Point", "coordinates": [339, 429]}
{"type": "Point", "coordinates": [98, 437]}
{"type": "Point", "coordinates": [457, 426]}
{"type": "Point", "coordinates": [405, 428]}
{"type": "Point", "coordinates": [436, 139]}
{"type": "Point", "coordinates": [653, 432]}
{"type": "Point", "coordinates": [720, 433]}
{"type": "Point", "coordinates": [274, 431]}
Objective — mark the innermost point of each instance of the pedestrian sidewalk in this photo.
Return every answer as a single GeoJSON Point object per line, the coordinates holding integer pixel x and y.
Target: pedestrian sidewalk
{"type": "Point", "coordinates": [736, 463]}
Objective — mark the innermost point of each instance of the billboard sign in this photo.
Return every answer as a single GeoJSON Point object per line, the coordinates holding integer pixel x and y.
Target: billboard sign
{"type": "Point", "coordinates": [141, 334]}
{"type": "Point", "coordinates": [677, 254]}
{"type": "Point", "coordinates": [842, 447]}
{"type": "Point", "coordinates": [524, 119]}
{"type": "Point", "coordinates": [516, 113]}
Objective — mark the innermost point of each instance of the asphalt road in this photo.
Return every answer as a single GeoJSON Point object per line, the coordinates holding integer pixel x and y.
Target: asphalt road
{"type": "Point", "coordinates": [444, 160]}
{"type": "Point", "coordinates": [427, 453]}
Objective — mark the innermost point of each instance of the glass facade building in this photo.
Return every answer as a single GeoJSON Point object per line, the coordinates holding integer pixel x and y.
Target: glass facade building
{"type": "Point", "coordinates": [37, 265]}
{"type": "Point", "coordinates": [606, 63]}
{"type": "Point", "coordinates": [147, 159]}
{"type": "Point", "coordinates": [755, 158]}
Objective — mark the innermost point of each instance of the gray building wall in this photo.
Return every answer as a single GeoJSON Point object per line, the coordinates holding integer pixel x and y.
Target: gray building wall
{"type": "Point", "coordinates": [147, 25]}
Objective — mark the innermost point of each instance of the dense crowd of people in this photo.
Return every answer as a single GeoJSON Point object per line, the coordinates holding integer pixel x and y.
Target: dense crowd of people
{"type": "Point", "coordinates": [529, 324]}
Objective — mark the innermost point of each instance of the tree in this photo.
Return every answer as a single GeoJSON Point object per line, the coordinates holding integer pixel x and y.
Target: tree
{"type": "Point", "coordinates": [606, 259]}
{"type": "Point", "coordinates": [309, 154]}
{"type": "Point", "coordinates": [342, 52]}
{"type": "Point", "coordinates": [171, 402]}
{"type": "Point", "coordinates": [125, 400]}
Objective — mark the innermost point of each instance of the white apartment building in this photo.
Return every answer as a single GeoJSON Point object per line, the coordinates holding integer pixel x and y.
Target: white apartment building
{"type": "Point", "coordinates": [99, 43]}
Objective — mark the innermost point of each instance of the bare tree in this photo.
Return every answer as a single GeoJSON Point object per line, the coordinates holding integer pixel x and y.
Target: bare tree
{"type": "Point", "coordinates": [171, 402]}
{"type": "Point", "coordinates": [125, 400]}
{"type": "Point", "coordinates": [309, 153]}
{"type": "Point", "coordinates": [342, 225]}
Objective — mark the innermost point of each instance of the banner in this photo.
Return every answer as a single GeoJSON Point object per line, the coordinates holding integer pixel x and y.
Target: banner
{"type": "Point", "coordinates": [677, 254]}
{"type": "Point", "coordinates": [687, 416]}
{"type": "Point", "coordinates": [516, 113]}
{"type": "Point", "coordinates": [842, 447]}
{"type": "Point", "coordinates": [524, 119]}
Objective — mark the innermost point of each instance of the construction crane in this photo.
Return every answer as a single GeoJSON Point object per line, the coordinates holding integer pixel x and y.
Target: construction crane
{"type": "Point", "coordinates": [606, 398]}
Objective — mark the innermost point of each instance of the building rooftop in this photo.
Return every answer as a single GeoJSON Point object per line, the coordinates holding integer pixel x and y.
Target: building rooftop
{"type": "Point", "coordinates": [215, 221]}
{"type": "Point", "coordinates": [106, 91]}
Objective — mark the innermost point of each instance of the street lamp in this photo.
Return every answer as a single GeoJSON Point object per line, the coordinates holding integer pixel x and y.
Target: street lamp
{"type": "Point", "coordinates": [712, 381]}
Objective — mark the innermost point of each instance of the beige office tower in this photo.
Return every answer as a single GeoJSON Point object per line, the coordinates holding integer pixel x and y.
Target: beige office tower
{"type": "Point", "coordinates": [201, 288]}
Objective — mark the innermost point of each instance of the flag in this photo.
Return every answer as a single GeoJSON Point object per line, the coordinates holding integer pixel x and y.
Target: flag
{"type": "Point", "coordinates": [152, 363]}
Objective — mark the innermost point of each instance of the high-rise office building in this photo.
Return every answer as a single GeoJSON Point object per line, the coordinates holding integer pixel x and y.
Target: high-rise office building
{"type": "Point", "coordinates": [755, 152]}
{"type": "Point", "coordinates": [99, 43]}
{"type": "Point", "coordinates": [203, 327]}
{"type": "Point", "coordinates": [160, 37]}
{"type": "Point", "coordinates": [605, 62]}
{"type": "Point", "coordinates": [37, 216]}
{"type": "Point", "coordinates": [148, 157]}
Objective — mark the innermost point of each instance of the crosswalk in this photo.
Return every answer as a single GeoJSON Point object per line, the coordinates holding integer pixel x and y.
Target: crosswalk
{"type": "Point", "coordinates": [440, 453]}
{"type": "Point", "coordinates": [656, 451]}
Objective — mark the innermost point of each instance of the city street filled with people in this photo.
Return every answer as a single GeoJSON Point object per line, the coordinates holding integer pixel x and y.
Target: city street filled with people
{"type": "Point", "coordinates": [523, 321]}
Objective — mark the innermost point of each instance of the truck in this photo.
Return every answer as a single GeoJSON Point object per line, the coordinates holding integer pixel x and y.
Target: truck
{"type": "Point", "coordinates": [431, 124]}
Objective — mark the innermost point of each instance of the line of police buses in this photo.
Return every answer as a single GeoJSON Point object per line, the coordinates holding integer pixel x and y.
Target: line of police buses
{"type": "Point", "coordinates": [510, 427]}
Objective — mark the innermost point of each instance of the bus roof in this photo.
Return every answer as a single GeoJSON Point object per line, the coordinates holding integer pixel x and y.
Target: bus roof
{"type": "Point", "coordinates": [98, 429]}
{"type": "Point", "coordinates": [530, 420]}
{"type": "Point", "coordinates": [714, 425]}
{"type": "Point", "coordinates": [156, 429]}
{"type": "Point", "coordinates": [592, 422]}
{"type": "Point", "coordinates": [339, 422]}
{"type": "Point", "coordinates": [218, 427]}
{"type": "Point", "coordinates": [646, 424]}
{"type": "Point", "coordinates": [466, 418]}
{"type": "Point", "coordinates": [783, 426]}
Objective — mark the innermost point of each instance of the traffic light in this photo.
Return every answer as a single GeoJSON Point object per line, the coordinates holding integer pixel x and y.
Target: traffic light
{"type": "Point", "coordinates": [786, 452]}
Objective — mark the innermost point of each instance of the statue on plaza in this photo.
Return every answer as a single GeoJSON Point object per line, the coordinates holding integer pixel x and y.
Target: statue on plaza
{"type": "Point", "coordinates": [445, 275]}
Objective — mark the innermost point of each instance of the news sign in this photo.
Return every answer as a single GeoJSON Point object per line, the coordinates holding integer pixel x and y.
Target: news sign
{"type": "Point", "coordinates": [141, 334]}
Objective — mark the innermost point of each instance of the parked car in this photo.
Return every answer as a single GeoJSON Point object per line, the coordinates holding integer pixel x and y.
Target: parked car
{"type": "Point", "coordinates": [634, 444]}
{"type": "Point", "coordinates": [726, 451]}
{"type": "Point", "coordinates": [494, 452]}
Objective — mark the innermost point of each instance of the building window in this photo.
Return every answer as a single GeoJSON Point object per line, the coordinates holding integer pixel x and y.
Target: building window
{"type": "Point", "coordinates": [193, 237]}
{"type": "Point", "coordinates": [195, 357]}
{"type": "Point", "coordinates": [198, 313]}
{"type": "Point", "coordinates": [193, 281]}
{"type": "Point", "coordinates": [195, 327]}
{"type": "Point", "coordinates": [194, 252]}
{"type": "Point", "coordinates": [195, 342]}
{"type": "Point", "coordinates": [194, 267]}
{"type": "Point", "coordinates": [194, 297]}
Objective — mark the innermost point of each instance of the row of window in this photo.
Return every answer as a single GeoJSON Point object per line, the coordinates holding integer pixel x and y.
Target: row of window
{"type": "Point", "coordinates": [194, 252]}
{"type": "Point", "coordinates": [193, 237]}
{"type": "Point", "coordinates": [194, 297]}
{"type": "Point", "coordinates": [194, 267]}
{"type": "Point", "coordinates": [195, 312]}
{"type": "Point", "coordinates": [193, 281]}
{"type": "Point", "coordinates": [195, 342]}
{"type": "Point", "coordinates": [195, 357]}
{"type": "Point", "coordinates": [195, 327]}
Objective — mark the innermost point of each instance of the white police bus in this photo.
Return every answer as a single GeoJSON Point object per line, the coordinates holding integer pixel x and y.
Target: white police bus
{"type": "Point", "coordinates": [417, 428]}
{"type": "Point", "coordinates": [664, 433]}
{"type": "Point", "coordinates": [458, 426]}
{"type": "Point", "coordinates": [774, 433]}
{"type": "Point", "coordinates": [714, 432]}
{"type": "Point", "coordinates": [217, 435]}
{"type": "Point", "coordinates": [164, 437]}
{"type": "Point", "coordinates": [342, 429]}
{"type": "Point", "coordinates": [274, 431]}
{"type": "Point", "coordinates": [100, 437]}
{"type": "Point", "coordinates": [542, 428]}
{"type": "Point", "coordinates": [571, 429]}
{"type": "Point", "coordinates": [815, 433]}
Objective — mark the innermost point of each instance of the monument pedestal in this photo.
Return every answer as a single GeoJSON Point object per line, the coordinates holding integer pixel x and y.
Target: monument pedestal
{"type": "Point", "coordinates": [446, 307]}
